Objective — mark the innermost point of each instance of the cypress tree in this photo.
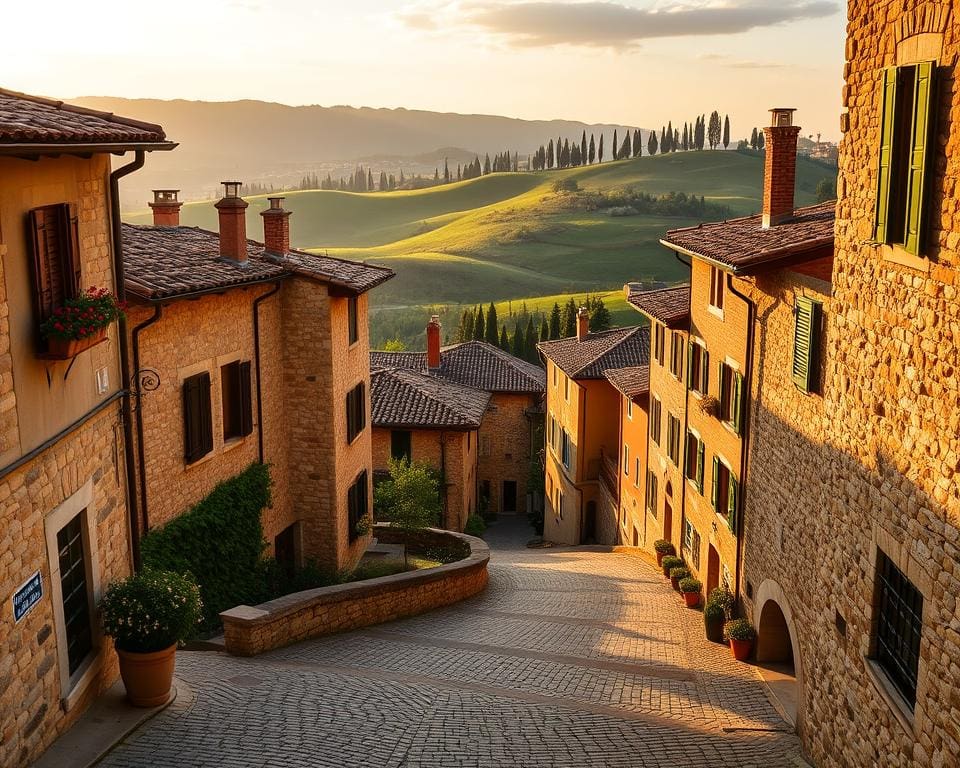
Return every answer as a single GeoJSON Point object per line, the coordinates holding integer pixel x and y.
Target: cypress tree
{"type": "Point", "coordinates": [726, 131]}
{"type": "Point", "coordinates": [625, 150]}
{"type": "Point", "coordinates": [569, 320]}
{"type": "Point", "coordinates": [479, 325]}
{"type": "Point", "coordinates": [600, 150]}
{"type": "Point", "coordinates": [652, 143]}
{"type": "Point", "coordinates": [550, 155]}
{"type": "Point", "coordinates": [544, 329]}
{"type": "Point", "coordinates": [555, 321]}
{"type": "Point", "coordinates": [614, 150]}
{"type": "Point", "coordinates": [465, 331]}
{"type": "Point", "coordinates": [583, 148]}
{"type": "Point", "coordinates": [599, 315]}
{"type": "Point", "coordinates": [530, 341]}
{"type": "Point", "coordinates": [592, 151]}
{"type": "Point", "coordinates": [504, 339]}
{"type": "Point", "coordinates": [761, 139]}
{"type": "Point", "coordinates": [492, 329]}
{"type": "Point", "coordinates": [516, 344]}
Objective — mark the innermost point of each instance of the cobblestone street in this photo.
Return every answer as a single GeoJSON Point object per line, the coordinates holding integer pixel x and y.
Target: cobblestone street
{"type": "Point", "coordinates": [572, 657]}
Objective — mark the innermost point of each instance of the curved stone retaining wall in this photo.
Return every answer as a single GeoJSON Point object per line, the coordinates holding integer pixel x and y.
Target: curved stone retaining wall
{"type": "Point", "coordinates": [249, 630]}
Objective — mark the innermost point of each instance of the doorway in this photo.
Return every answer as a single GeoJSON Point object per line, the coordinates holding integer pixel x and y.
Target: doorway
{"type": "Point", "coordinates": [510, 496]}
{"type": "Point", "coordinates": [590, 523]}
{"type": "Point", "coordinates": [667, 520]}
{"type": "Point", "coordinates": [713, 570]}
{"type": "Point", "coordinates": [775, 659]}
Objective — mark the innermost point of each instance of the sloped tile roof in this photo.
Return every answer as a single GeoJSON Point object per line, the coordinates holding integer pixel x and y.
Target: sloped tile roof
{"type": "Point", "coordinates": [668, 305]}
{"type": "Point", "coordinates": [474, 364]}
{"type": "Point", "coordinates": [744, 245]}
{"type": "Point", "coordinates": [631, 382]}
{"type": "Point", "coordinates": [28, 119]}
{"type": "Point", "coordinates": [588, 359]}
{"type": "Point", "coordinates": [402, 397]}
{"type": "Point", "coordinates": [166, 262]}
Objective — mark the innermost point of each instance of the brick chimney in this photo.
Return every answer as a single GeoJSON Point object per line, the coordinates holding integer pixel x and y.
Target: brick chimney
{"type": "Point", "coordinates": [276, 227]}
{"type": "Point", "coordinates": [433, 343]}
{"type": "Point", "coordinates": [780, 167]}
{"type": "Point", "coordinates": [166, 208]}
{"type": "Point", "coordinates": [233, 223]}
{"type": "Point", "coordinates": [583, 323]}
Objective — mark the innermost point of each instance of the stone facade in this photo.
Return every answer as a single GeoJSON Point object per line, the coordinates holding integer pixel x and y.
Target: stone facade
{"type": "Point", "coordinates": [44, 487]}
{"type": "Point", "coordinates": [506, 436]}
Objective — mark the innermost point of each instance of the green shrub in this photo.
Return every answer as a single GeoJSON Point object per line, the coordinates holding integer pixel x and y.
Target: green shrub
{"type": "Point", "coordinates": [374, 570]}
{"type": "Point", "coordinates": [219, 541]}
{"type": "Point", "coordinates": [724, 598]}
{"type": "Point", "coordinates": [443, 553]}
{"type": "Point", "coordinates": [690, 585]}
{"type": "Point", "coordinates": [410, 499]}
{"type": "Point", "coordinates": [664, 547]}
{"type": "Point", "coordinates": [739, 629]}
{"type": "Point", "coordinates": [475, 526]}
{"type": "Point", "coordinates": [679, 573]}
{"type": "Point", "coordinates": [151, 610]}
{"type": "Point", "coordinates": [671, 561]}
{"type": "Point", "coordinates": [713, 612]}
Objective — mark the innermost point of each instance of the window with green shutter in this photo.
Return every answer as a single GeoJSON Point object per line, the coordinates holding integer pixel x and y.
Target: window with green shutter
{"type": "Point", "coordinates": [733, 501]}
{"type": "Point", "coordinates": [737, 405]}
{"type": "Point", "coordinates": [693, 460]}
{"type": "Point", "coordinates": [908, 120]}
{"type": "Point", "coordinates": [806, 344]}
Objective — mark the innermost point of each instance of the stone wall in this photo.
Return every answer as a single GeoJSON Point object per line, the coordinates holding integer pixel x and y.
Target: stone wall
{"type": "Point", "coordinates": [249, 631]}
{"type": "Point", "coordinates": [505, 447]}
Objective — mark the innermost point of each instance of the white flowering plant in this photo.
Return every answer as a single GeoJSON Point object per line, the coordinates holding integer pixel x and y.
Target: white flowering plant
{"type": "Point", "coordinates": [151, 610]}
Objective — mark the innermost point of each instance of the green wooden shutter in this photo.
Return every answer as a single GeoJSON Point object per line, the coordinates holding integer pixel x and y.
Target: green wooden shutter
{"type": "Point", "coordinates": [690, 383]}
{"type": "Point", "coordinates": [246, 404]}
{"type": "Point", "coordinates": [806, 343]}
{"type": "Point", "coordinates": [888, 120]}
{"type": "Point", "coordinates": [923, 118]}
{"type": "Point", "coordinates": [715, 495]}
{"type": "Point", "coordinates": [704, 371]}
{"type": "Point", "coordinates": [700, 457]}
{"type": "Point", "coordinates": [736, 405]}
{"type": "Point", "coordinates": [733, 497]}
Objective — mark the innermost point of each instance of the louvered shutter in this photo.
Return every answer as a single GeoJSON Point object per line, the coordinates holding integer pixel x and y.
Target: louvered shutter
{"type": "Point", "coordinates": [700, 457]}
{"type": "Point", "coordinates": [715, 494]}
{"type": "Point", "coordinates": [71, 252]}
{"type": "Point", "coordinates": [197, 421]}
{"type": "Point", "coordinates": [888, 120]}
{"type": "Point", "coordinates": [736, 406]}
{"type": "Point", "coordinates": [805, 343]}
{"type": "Point", "coordinates": [733, 497]}
{"type": "Point", "coordinates": [704, 371]}
{"type": "Point", "coordinates": [246, 404]}
{"type": "Point", "coordinates": [923, 118]}
{"type": "Point", "coordinates": [690, 382]}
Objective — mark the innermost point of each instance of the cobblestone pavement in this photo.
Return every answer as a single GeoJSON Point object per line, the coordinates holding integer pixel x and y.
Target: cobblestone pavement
{"type": "Point", "coordinates": [572, 657]}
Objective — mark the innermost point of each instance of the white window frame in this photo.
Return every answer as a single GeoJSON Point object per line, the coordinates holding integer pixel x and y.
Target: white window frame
{"type": "Point", "coordinates": [717, 289]}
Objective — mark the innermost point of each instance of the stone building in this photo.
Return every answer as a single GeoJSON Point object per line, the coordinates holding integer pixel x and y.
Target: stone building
{"type": "Point", "coordinates": [583, 431]}
{"type": "Point", "coordinates": [251, 352]}
{"type": "Point", "coordinates": [511, 432]}
{"type": "Point", "coordinates": [429, 420]}
{"type": "Point", "coordinates": [65, 515]}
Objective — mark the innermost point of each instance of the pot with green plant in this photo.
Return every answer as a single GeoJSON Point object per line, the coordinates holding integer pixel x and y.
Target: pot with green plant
{"type": "Point", "coordinates": [677, 575]}
{"type": "Point", "coordinates": [724, 598]}
{"type": "Point", "coordinates": [670, 562]}
{"type": "Point", "coordinates": [740, 633]}
{"type": "Point", "coordinates": [663, 548]}
{"type": "Point", "coordinates": [80, 323]}
{"type": "Point", "coordinates": [690, 589]}
{"type": "Point", "coordinates": [714, 617]}
{"type": "Point", "coordinates": [147, 615]}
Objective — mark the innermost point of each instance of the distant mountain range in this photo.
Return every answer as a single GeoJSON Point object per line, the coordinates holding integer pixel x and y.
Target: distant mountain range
{"type": "Point", "coordinates": [257, 141]}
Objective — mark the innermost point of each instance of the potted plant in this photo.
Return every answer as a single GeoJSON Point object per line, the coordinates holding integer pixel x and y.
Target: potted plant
{"type": "Point", "coordinates": [147, 614]}
{"type": "Point", "coordinates": [677, 575]}
{"type": "Point", "coordinates": [709, 405]}
{"type": "Point", "coordinates": [714, 616]}
{"type": "Point", "coordinates": [669, 562]}
{"type": "Point", "coordinates": [740, 633]}
{"type": "Point", "coordinates": [690, 589]}
{"type": "Point", "coordinates": [663, 548]}
{"type": "Point", "coordinates": [724, 598]}
{"type": "Point", "coordinates": [80, 323]}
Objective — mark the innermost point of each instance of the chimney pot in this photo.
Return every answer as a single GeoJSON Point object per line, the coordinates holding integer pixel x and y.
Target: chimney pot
{"type": "Point", "coordinates": [583, 323]}
{"type": "Point", "coordinates": [433, 343]}
{"type": "Point", "coordinates": [276, 227]}
{"type": "Point", "coordinates": [166, 208]}
{"type": "Point", "coordinates": [233, 223]}
{"type": "Point", "coordinates": [780, 167]}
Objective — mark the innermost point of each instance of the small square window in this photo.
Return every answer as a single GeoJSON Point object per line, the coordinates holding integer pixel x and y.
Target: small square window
{"type": "Point", "coordinates": [353, 324]}
{"type": "Point", "coordinates": [899, 623]}
{"type": "Point", "coordinates": [716, 288]}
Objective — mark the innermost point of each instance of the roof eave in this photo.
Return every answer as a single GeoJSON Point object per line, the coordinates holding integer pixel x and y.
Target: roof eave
{"type": "Point", "coordinates": [29, 149]}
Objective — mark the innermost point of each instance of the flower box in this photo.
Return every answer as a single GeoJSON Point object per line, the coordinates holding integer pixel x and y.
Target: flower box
{"type": "Point", "coordinates": [67, 349]}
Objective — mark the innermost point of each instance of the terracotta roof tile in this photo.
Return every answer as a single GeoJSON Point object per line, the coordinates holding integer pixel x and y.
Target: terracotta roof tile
{"type": "Point", "coordinates": [402, 397]}
{"type": "Point", "coordinates": [743, 244]}
{"type": "Point", "coordinates": [631, 382]}
{"type": "Point", "coordinates": [28, 119]}
{"type": "Point", "coordinates": [473, 364]}
{"type": "Point", "coordinates": [588, 359]}
{"type": "Point", "coordinates": [166, 262]}
{"type": "Point", "coordinates": [670, 306]}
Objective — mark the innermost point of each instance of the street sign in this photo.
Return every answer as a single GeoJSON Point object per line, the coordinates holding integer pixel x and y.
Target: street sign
{"type": "Point", "coordinates": [27, 596]}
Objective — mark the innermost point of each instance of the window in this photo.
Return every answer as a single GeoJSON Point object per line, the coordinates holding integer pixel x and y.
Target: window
{"type": "Point", "coordinates": [626, 460]}
{"type": "Point", "coordinates": [655, 409]}
{"type": "Point", "coordinates": [716, 288]}
{"type": "Point", "coordinates": [673, 439]}
{"type": "Point", "coordinates": [636, 472]}
{"type": "Point", "coordinates": [908, 121]}
{"type": "Point", "coordinates": [352, 324]}
{"type": "Point", "coordinates": [651, 494]}
{"type": "Point", "coordinates": [629, 409]}
{"type": "Point", "coordinates": [486, 445]}
{"type": "Point", "coordinates": [566, 388]}
{"type": "Point", "coordinates": [695, 550]}
{"type": "Point", "coordinates": [725, 493]}
{"type": "Point", "coordinates": [356, 411]}
{"type": "Point", "coordinates": [286, 545]}
{"type": "Point", "coordinates": [356, 504]}
{"type": "Point", "coordinates": [693, 460]}
{"type": "Point", "coordinates": [559, 504]}
{"type": "Point", "coordinates": [235, 395]}
{"type": "Point", "coordinates": [676, 354]}
{"type": "Point", "coordinates": [554, 377]}
{"type": "Point", "coordinates": [400, 444]}
{"type": "Point", "coordinates": [565, 448]}
{"type": "Point", "coordinates": [75, 592]}
{"type": "Point", "coordinates": [806, 344]}
{"type": "Point", "coordinates": [197, 419]}
{"type": "Point", "coordinates": [727, 577]}
{"type": "Point", "coordinates": [731, 397]}
{"type": "Point", "coordinates": [659, 332]}
{"type": "Point", "coordinates": [898, 622]}
{"type": "Point", "coordinates": [687, 535]}
{"type": "Point", "coordinates": [55, 257]}
{"type": "Point", "coordinates": [698, 368]}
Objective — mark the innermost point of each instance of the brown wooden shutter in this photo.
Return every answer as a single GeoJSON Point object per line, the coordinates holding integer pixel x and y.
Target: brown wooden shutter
{"type": "Point", "coordinates": [73, 279]}
{"type": "Point", "coordinates": [245, 405]}
{"type": "Point", "coordinates": [197, 417]}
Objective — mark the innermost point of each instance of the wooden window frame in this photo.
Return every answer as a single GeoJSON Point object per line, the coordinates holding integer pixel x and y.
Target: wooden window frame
{"type": "Point", "coordinates": [693, 465]}
{"type": "Point", "coordinates": [236, 400]}
{"type": "Point", "coordinates": [356, 402]}
{"type": "Point", "coordinates": [55, 257]}
{"type": "Point", "coordinates": [676, 355]}
{"type": "Point", "coordinates": [357, 504]}
{"type": "Point", "coordinates": [715, 301]}
{"type": "Point", "coordinates": [656, 408]}
{"type": "Point", "coordinates": [408, 454]}
{"type": "Point", "coordinates": [197, 417]}
{"type": "Point", "coordinates": [698, 368]}
{"type": "Point", "coordinates": [353, 322]}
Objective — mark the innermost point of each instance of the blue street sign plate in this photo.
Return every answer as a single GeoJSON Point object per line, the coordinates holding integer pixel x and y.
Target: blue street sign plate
{"type": "Point", "coordinates": [27, 596]}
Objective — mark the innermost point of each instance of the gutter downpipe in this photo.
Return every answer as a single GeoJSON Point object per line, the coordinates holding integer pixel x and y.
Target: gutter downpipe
{"type": "Point", "coordinates": [141, 451]}
{"type": "Point", "coordinates": [256, 359]}
{"type": "Point", "coordinates": [125, 374]}
{"type": "Point", "coordinates": [745, 438]}
{"type": "Point", "coordinates": [686, 410]}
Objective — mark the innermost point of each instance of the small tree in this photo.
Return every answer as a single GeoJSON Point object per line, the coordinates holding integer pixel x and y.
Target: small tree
{"type": "Point", "coordinates": [410, 499]}
{"type": "Point", "coordinates": [394, 345]}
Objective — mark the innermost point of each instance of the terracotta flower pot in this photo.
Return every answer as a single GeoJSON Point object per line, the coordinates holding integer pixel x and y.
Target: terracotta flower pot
{"type": "Point", "coordinates": [714, 630]}
{"type": "Point", "coordinates": [692, 599]}
{"type": "Point", "coordinates": [147, 677]}
{"type": "Point", "coordinates": [66, 349]}
{"type": "Point", "coordinates": [741, 649]}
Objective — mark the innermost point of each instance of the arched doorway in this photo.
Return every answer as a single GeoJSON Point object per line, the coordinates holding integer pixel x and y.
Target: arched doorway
{"type": "Point", "coordinates": [713, 569]}
{"type": "Point", "coordinates": [590, 523]}
{"type": "Point", "coordinates": [777, 651]}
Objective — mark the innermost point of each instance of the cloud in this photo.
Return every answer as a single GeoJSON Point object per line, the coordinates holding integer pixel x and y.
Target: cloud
{"type": "Point", "coordinates": [608, 24]}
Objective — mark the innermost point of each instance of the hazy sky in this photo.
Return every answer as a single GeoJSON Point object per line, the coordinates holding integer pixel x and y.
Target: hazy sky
{"type": "Point", "coordinates": [638, 62]}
